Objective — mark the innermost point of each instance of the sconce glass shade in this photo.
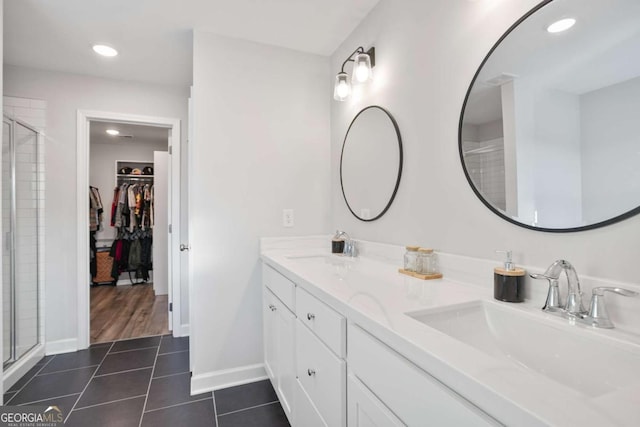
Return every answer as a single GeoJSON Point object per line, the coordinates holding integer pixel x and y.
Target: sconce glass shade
{"type": "Point", "coordinates": [362, 68]}
{"type": "Point", "coordinates": [342, 88]}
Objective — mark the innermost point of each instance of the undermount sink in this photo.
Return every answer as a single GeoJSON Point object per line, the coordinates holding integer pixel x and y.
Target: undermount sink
{"type": "Point", "coordinates": [590, 365]}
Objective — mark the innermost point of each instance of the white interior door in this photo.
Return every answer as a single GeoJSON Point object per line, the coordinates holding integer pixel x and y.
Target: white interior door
{"type": "Point", "coordinates": [161, 225]}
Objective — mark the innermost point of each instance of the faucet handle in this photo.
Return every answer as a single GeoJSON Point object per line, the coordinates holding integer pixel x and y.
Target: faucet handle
{"type": "Point", "coordinates": [598, 315]}
{"type": "Point", "coordinates": [553, 302]}
{"type": "Point", "coordinates": [620, 291]}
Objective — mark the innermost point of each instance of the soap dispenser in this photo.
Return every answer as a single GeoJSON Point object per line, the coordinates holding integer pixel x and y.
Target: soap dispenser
{"type": "Point", "coordinates": [337, 242]}
{"type": "Point", "coordinates": [508, 281]}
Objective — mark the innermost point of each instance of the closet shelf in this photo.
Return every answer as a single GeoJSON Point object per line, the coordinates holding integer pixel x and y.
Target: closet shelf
{"type": "Point", "coordinates": [134, 176]}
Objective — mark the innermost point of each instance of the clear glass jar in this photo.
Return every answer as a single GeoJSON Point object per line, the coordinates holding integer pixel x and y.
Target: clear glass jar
{"type": "Point", "coordinates": [427, 262]}
{"type": "Point", "coordinates": [411, 258]}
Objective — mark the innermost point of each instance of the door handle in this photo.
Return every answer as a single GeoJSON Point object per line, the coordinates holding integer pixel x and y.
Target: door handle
{"type": "Point", "coordinates": [184, 247]}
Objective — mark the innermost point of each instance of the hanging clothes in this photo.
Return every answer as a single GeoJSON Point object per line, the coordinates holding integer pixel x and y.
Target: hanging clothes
{"type": "Point", "coordinates": [114, 205]}
{"type": "Point", "coordinates": [95, 209]}
{"type": "Point", "coordinates": [95, 224]}
{"type": "Point", "coordinates": [132, 216]}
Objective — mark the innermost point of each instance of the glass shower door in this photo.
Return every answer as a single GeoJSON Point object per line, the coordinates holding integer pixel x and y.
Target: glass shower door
{"type": "Point", "coordinates": [20, 195]}
{"type": "Point", "coordinates": [7, 306]}
{"type": "Point", "coordinates": [25, 239]}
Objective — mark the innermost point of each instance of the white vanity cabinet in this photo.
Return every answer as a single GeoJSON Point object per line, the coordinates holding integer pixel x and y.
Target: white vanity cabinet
{"type": "Point", "coordinates": [304, 353]}
{"type": "Point", "coordinates": [330, 374]}
{"type": "Point", "coordinates": [411, 394]}
{"type": "Point", "coordinates": [279, 343]}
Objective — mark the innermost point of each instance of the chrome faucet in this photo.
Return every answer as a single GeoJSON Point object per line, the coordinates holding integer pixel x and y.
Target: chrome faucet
{"type": "Point", "coordinates": [573, 306]}
{"type": "Point", "coordinates": [350, 248]}
{"type": "Point", "coordinates": [596, 316]}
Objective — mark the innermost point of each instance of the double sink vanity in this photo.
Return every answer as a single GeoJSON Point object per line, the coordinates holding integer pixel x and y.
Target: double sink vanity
{"type": "Point", "coordinates": [350, 342]}
{"type": "Point", "coordinates": [546, 143]}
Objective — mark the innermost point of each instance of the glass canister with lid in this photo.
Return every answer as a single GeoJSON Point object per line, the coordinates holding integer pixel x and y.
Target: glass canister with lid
{"type": "Point", "coordinates": [411, 258]}
{"type": "Point", "coordinates": [427, 261]}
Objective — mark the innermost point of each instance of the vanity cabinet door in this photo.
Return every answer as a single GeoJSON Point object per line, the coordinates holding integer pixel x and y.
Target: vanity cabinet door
{"type": "Point", "coordinates": [269, 333]}
{"type": "Point", "coordinates": [306, 414]}
{"type": "Point", "coordinates": [279, 350]}
{"type": "Point", "coordinates": [365, 410]}
{"type": "Point", "coordinates": [322, 375]}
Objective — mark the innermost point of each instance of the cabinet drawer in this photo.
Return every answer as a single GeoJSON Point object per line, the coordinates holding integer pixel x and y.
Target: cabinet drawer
{"type": "Point", "coordinates": [322, 375]}
{"type": "Point", "coordinates": [413, 395]}
{"type": "Point", "coordinates": [281, 287]}
{"type": "Point", "coordinates": [325, 322]}
{"type": "Point", "coordinates": [306, 414]}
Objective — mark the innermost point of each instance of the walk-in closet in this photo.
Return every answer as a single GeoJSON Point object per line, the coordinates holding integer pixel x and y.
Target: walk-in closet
{"type": "Point", "coordinates": [128, 229]}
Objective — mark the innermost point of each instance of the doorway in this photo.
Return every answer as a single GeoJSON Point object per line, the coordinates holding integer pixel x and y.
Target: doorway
{"type": "Point", "coordinates": [133, 302]}
{"type": "Point", "coordinates": [128, 231]}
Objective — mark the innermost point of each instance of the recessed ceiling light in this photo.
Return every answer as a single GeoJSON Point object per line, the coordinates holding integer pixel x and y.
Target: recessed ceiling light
{"type": "Point", "coordinates": [561, 25]}
{"type": "Point", "coordinates": [113, 132]}
{"type": "Point", "coordinates": [104, 50]}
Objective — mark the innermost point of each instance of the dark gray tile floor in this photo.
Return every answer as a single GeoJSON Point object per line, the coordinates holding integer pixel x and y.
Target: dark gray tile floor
{"type": "Point", "coordinates": [141, 382]}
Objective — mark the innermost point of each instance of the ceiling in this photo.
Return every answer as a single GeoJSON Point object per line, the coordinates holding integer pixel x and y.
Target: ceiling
{"type": "Point", "coordinates": [602, 49]}
{"type": "Point", "coordinates": [140, 134]}
{"type": "Point", "coordinates": [154, 37]}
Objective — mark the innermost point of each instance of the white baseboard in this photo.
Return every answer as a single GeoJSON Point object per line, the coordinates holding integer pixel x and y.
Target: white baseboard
{"type": "Point", "coordinates": [184, 332]}
{"type": "Point", "coordinates": [61, 346]}
{"type": "Point", "coordinates": [211, 381]}
{"type": "Point", "coordinates": [21, 367]}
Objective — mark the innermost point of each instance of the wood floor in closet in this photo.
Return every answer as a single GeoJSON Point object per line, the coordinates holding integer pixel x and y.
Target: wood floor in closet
{"type": "Point", "coordinates": [121, 312]}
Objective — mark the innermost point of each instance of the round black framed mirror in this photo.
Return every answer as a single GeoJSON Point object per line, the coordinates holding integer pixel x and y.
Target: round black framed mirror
{"type": "Point", "coordinates": [547, 134]}
{"type": "Point", "coordinates": [371, 163]}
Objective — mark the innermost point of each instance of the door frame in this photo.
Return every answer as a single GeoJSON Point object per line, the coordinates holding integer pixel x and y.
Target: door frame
{"type": "Point", "coordinates": [84, 117]}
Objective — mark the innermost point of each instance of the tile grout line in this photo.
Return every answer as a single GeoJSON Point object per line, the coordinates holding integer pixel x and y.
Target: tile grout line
{"type": "Point", "coordinates": [111, 401]}
{"type": "Point", "coordinates": [146, 399]}
{"type": "Point", "coordinates": [30, 379]}
{"type": "Point", "coordinates": [133, 349]}
{"type": "Point", "coordinates": [48, 398]}
{"type": "Point", "coordinates": [251, 407]}
{"type": "Point", "coordinates": [215, 409]}
{"type": "Point", "coordinates": [87, 385]}
{"type": "Point", "coordinates": [171, 375]}
{"type": "Point", "coordinates": [177, 404]}
{"type": "Point", "coordinates": [66, 370]}
{"type": "Point", "coordinates": [174, 352]}
{"type": "Point", "coordinates": [122, 372]}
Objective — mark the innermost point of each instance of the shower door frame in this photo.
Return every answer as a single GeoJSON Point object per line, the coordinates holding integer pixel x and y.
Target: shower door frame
{"type": "Point", "coordinates": [12, 121]}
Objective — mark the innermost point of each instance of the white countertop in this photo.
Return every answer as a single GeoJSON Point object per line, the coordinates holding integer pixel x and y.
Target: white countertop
{"type": "Point", "coordinates": [372, 294]}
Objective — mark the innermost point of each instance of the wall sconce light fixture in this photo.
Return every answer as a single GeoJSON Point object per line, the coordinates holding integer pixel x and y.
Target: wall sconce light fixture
{"type": "Point", "coordinates": [363, 64]}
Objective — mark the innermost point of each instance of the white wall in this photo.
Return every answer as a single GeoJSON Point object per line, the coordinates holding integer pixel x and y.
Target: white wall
{"type": "Point", "coordinates": [610, 150]}
{"type": "Point", "coordinates": [65, 94]}
{"type": "Point", "coordinates": [426, 55]}
{"type": "Point", "coordinates": [557, 163]}
{"type": "Point", "coordinates": [261, 144]}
